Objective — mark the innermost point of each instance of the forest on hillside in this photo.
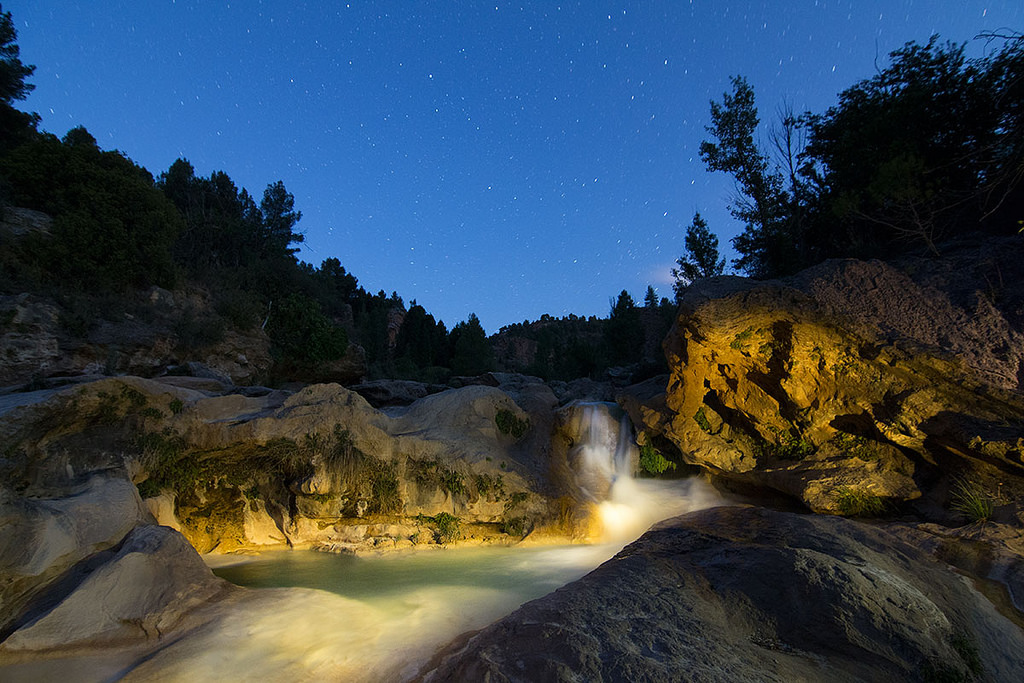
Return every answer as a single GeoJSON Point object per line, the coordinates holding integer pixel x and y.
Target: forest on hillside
{"type": "Point", "coordinates": [928, 149]}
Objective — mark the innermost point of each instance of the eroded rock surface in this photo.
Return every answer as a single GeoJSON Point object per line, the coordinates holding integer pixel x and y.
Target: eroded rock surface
{"type": "Point", "coordinates": [319, 467]}
{"type": "Point", "coordinates": [855, 379]}
{"type": "Point", "coordinates": [736, 594]}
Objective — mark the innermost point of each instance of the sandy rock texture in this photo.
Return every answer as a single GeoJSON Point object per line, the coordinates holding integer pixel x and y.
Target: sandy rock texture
{"type": "Point", "coordinates": [738, 594]}
{"type": "Point", "coordinates": [852, 379]}
{"type": "Point", "coordinates": [316, 468]}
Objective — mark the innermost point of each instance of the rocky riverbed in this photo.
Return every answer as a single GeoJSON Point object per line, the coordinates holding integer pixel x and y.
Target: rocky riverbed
{"type": "Point", "coordinates": [878, 392]}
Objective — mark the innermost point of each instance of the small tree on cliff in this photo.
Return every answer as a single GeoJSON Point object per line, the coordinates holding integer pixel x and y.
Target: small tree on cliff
{"type": "Point", "coordinates": [701, 259]}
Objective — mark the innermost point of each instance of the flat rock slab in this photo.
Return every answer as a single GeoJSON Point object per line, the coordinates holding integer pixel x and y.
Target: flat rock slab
{"type": "Point", "coordinates": [745, 594]}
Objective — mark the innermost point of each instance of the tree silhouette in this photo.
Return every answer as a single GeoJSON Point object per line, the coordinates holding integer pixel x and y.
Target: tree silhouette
{"type": "Point", "coordinates": [15, 126]}
{"type": "Point", "coordinates": [701, 258]}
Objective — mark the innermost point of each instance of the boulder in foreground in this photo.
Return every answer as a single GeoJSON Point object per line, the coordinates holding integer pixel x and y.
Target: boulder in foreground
{"type": "Point", "coordinates": [736, 594]}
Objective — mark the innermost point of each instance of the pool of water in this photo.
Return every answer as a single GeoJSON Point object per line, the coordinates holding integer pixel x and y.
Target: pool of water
{"type": "Point", "coordinates": [381, 618]}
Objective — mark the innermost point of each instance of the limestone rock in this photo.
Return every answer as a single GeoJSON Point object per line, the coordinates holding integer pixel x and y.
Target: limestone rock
{"type": "Point", "coordinates": [41, 538]}
{"type": "Point", "coordinates": [387, 393]}
{"type": "Point", "coordinates": [851, 376]}
{"type": "Point", "coordinates": [732, 594]}
{"type": "Point", "coordinates": [140, 590]}
{"type": "Point", "coordinates": [29, 344]}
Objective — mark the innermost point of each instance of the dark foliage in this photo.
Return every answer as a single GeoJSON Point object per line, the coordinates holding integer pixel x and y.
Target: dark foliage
{"type": "Point", "coordinates": [928, 149]}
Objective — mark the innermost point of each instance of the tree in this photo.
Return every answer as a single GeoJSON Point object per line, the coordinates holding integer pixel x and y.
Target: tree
{"type": "Point", "coordinates": [472, 353]}
{"type": "Point", "coordinates": [759, 205]}
{"type": "Point", "coordinates": [15, 126]}
{"type": "Point", "coordinates": [650, 298]}
{"type": "Point", "coordinates": [765, 246]}
{"type": "Point", "coordinates": [279, 217]}
{"type": "Point", "coordinates": [301, 332]}
{"type": "Point", "coordinates": [700, 259]}
{"type": "Point", "coordinates": [921, 150]}
{"type": "Point", "coordinates": [624, 332]}
{"type": "Point", "coordinates": [113, 229]}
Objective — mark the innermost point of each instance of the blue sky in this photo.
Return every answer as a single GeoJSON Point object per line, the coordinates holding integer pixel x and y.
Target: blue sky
{"type": "Point", "coordinates": [505, 159]}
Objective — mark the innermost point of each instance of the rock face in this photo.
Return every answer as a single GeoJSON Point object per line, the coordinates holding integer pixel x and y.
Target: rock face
{"type": "Point", "coordinates": [42, 538]}
{"type": "Point", "coordinates": [851, 379]}
{"type": "Point", "coordinates": [40, 338]}
{"type": "Point", "coordinates": [317, 468]}
{"type": "Point", "coordinates": [733, 594]}
{"type": "Point", "coordinates": [139, 590]}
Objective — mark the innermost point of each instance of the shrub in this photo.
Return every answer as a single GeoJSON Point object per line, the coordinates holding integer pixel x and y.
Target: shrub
{"type": "Point", "coordinates": [786, 447]}
{"type": "Point", "coordinates": [514, 526]}
{"type": "Point", "coordinates": [385, 497]}
{"type": "Point", "coordinates": [516, 499]}
{"type": "Point", "coordinates": [855, 446]}
{"type": "Point", "coordinates": [449, 528]}
{"type": "Point", "coordinates": [741, 338]}
{"type": "Point", "coordinates": [301, 332]}
{"type": "Point", "coordinates": [510, 425]}
{"type": "Point", "coordinates": [452, 482]}
{"type": "Point", "coordinates": [488, 486]}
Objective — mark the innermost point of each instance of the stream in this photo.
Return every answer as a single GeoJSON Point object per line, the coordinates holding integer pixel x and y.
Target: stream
{"type": "Point", "coordinates": [386, 616]}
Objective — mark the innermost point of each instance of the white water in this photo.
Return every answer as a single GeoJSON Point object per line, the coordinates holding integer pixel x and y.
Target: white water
{"type": "Point", "coordinates": [381, 619]}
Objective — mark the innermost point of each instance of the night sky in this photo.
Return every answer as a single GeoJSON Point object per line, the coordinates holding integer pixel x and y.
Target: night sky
{"type": "Point", "coordinates": [505, 159]}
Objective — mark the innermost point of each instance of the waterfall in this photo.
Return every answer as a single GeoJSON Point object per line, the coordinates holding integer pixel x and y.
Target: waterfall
{"type": "Point", "coordinates": [604, 461]}
{"type": "Point", "coordinates": [606, 451]}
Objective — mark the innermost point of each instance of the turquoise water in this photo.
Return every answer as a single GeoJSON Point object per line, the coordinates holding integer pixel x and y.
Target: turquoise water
{"type": "Point", "coordinates": [387, 582]}
{"type": "Point", "coordinates": [381, 618]}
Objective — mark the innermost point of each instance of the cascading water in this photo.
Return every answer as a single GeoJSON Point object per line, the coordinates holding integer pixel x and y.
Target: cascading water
{"type": "Point", "coordinates": [606, 452]}
{"type": "Point", "coordinates": [604, 462]}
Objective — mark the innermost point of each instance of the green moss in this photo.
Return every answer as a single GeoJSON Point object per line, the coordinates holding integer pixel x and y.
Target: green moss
{"type": "Point", "coordinates": [653, 462]}
{"type": "Point", "coordinates": [511, 425]}
{"type": "Point", "coordinates": [176, 406]}
{"type": "Point", "coordinates": [702, 420]}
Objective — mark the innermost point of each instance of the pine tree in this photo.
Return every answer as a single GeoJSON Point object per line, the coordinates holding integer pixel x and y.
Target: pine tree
{"type": "Point", "coordinates": [15, 126]}
{"type": "Point", "coordinates": [701, 259]}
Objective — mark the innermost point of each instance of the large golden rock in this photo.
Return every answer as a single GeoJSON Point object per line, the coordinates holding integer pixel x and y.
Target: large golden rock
{"type": "Point", "coordinates": [854, 383]}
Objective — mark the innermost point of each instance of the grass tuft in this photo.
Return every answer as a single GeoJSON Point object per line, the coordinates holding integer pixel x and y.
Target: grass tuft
{"type": "Point", "coordinates": [970, 500]}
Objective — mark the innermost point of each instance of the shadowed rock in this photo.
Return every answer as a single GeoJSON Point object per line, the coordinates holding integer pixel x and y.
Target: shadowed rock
{"type": "Point", "coordinates": [736, 594]}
